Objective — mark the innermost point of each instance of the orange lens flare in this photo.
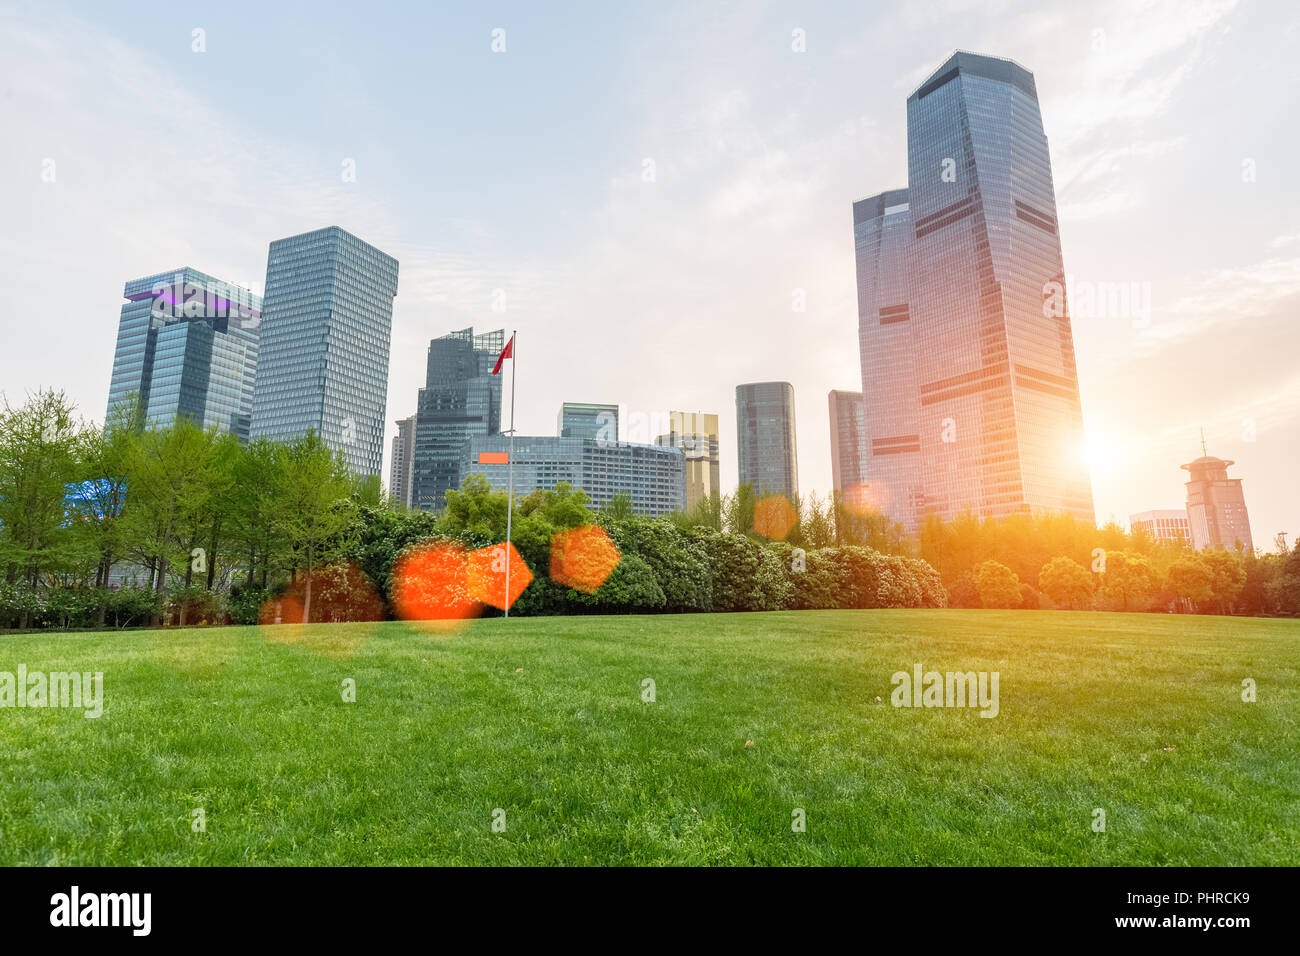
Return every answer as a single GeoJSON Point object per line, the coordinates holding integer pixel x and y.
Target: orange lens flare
{"type": "Point", "coordinates": [431, 583]}
{"type": "Point", "coordinates": [866, 498]}
{"type": "Point", "coordinates": [774, 516]}
{"type": "Point", "coordinates": [582, 558]}
{"type": "Point", "coordinates": [486, 575]}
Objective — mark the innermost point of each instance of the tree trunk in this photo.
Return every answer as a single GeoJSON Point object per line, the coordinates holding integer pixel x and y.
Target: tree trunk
{"type": "Point", "coordinates": [306, 603]}
{"type": "Point", "coordinates": [212, 553]}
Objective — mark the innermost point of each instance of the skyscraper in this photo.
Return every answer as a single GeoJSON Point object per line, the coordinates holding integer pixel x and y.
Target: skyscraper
{"type": "Point", "coordinates": [848, 446]}
{"type": "Point", "coordinates": [325, 340]}
{"type": "Point", "coordinates": [187, 347]}
{"type": "Point", "coordinates": [765, 438]}
{"type": "Point", "coordinates": [968, 371]}
{"type": "Point", "coordinates": [585, 420]}
{"type": "Point", "coordinates": [461, 398]}
{"type": "Point", "coordinates": [696, 434]}
{"type": "Point", "coordinates": [401, 465]}
{"type": "Point", "coordinates": [1216, 506]}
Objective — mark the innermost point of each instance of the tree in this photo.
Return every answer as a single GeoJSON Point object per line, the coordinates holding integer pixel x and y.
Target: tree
{"type": "Point", "coordinates": [998, 585]}
{"type": "Point", "coordinates": [106, 455]}
{"type": "Point", "coordinates": [619, 507]}
{"type": "Point", "coordinates": [256, 526]}
{"type": "Point", "coordinates": [170, 482]}
{"type": "Point", "coordinates": [1284, 589]}
{"type": "Point", "coordinates": [818, 522]}
{"type": "Point", "coordinates": [707, 512]}
{"type": "Point", "coordinates": [316, 489]}
{"type": "Point", "coordinates": [738, 510]}
{"type": "Point", "coordinates": [864, 526]}
{"type": "Point", "coordinates": [1228, 577]}
{"type": "Point", "coordinates": [1129, 581]}
{"type": "Point", "coordinates": [38, 461]}
{"type": "Point", "coordinates": [1067, 582]}
{"type": "Point", "coordinates": [1191, 580]}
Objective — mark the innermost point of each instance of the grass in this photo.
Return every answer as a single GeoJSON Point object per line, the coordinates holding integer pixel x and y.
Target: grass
{"type": "Point", "coordinates": [1140, 715]}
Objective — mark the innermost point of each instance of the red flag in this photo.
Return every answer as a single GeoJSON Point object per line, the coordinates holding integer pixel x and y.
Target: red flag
{"type": "Point", "coordinates": [505, 354]}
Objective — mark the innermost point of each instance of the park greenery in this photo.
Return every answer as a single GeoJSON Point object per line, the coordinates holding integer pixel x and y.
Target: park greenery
{"type": "Point", "coordinates": [123, 525]}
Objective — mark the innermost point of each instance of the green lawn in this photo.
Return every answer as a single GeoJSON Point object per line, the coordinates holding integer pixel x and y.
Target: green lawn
{"type": "Point", "coordinates": [1140, 715]}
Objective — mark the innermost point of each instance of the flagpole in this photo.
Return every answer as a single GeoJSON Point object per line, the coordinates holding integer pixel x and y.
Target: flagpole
{"type": "Point", "coordinates": [510, 470]}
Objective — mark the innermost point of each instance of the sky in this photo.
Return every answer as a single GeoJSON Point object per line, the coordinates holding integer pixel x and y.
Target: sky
{"type": "Point", "coordinates": [648, 189]}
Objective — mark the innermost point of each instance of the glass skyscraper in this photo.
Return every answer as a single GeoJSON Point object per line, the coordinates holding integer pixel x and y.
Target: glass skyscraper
{"type": "Point", "coordinates": [187, 347]}
{"type": "Point", "coordinates": [325, 340]}
{"type": "Point", "coordinates": [970, 389]}
{"type": "Point", "coordinates": [848, 446]}
{"type": "Point", "coordinates": [461, 398]}
{"type": "Point", "coordinates": [765, 438]}
{"type": "Point", "coordinates": [652, 476]}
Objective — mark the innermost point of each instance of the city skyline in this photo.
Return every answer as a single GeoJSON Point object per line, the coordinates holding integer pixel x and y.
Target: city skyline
{"type": "Point", "coordinates": [1120, 107]}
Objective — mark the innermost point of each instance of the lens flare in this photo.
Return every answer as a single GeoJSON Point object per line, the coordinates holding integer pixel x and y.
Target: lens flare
{"type": "Point", "coordinates": [431, 584]}
{"type": "Point", "coordinates": [774, 516]}
{"type": "Point", "coordinates": [486, 575]}
{"type": "Point", "coordinates": [582, 558]}
{"type": "Point", "coordinates": [866, 498]}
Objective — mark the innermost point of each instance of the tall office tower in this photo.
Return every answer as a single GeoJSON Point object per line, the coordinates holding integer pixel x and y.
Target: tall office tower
{"type": "Point", "coordinates": [848, 447]}
{"type": "Point", "coordinates": [325, 338]}
{"type": "Point", "coordinates": [882, 228]}
{"type": "Point", "coordinates": [765, 438]}
{"type": "Point", "coordinates": [1216, 506]}
{"type": "Point", "coordinates": [653, 477]}
{"type": "Point", "coordinates": [461, 398]}
{"type": "Point", "coordinates": [401, 466]}
{"type": "Point", "coordinates": [1165, 524]}
{"type": "Point", "coordinates": [968, 370]}
{"type": "Point", "coordinates": [583, 420]}
{"type": "Point", "coordinates": [187, 347]}
{"type": "Point", "coordinates": [696, 434]}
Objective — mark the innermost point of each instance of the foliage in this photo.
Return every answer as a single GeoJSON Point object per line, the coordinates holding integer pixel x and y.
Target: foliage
{"type": "Point", "coordinates": [1129, 581]}
{"type": "Point", "coordinates": [998, 585]}
{"type": "Point", "coordinates": [1066, 583]}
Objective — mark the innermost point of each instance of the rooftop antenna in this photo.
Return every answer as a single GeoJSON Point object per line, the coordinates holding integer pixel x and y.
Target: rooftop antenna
{"type": "Point", "coordinates": [1203, 451]}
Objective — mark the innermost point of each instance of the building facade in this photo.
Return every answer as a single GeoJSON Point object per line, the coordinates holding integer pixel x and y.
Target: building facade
{"type": "Point", "coordinates": [696, 434]}
{"type": "Point", "coordinates": [1216, 506]}
{"type": "Point", "coordinates": [326, 331]}
{"type": "Point", "coordinates": [848, 447]}
{"type": "Point", "coordinates": [585, 420]}
{"type": "Point", "coordinates": [1167, 524]}
{"type": "Point", "coordinates": [765, 438]}
{"type": "Point", "coordinates": [968, 369]}
{"type": "Point", "coordinates": [654, 477]}
{"type": "Point", "coordinates": [461, 398]}
{"type": "Point", "coordinates": [187, 347]}
{"type": "Point", "coordinates": [401, 464]}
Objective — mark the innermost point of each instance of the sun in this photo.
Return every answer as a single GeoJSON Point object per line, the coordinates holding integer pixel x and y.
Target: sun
{"type": "Point", "coordinates": [1097, 455]}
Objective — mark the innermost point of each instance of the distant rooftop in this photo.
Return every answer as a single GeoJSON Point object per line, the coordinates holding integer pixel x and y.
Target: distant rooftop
{"type": "Point", "coordinates": [976, 64]}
